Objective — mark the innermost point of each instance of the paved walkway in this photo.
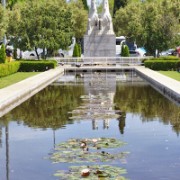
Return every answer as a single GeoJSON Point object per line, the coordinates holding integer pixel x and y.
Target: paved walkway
{"type": "Point", "coordinates": [14, 95]}
{"type": "Point", "coordinates": [161, 79]}
{"type": "Point", "coordinates": [167, 86]}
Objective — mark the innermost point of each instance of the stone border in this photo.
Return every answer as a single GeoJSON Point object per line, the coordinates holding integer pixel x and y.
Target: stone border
{"type": "Point", "coordinates": [14, 95]}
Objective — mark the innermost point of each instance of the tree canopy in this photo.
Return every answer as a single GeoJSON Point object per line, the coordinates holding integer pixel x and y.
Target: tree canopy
{"type": "Point", "coordinates": [3, 21]}
{"type": "Point", "coordinates": [151, 24]}
{"type": "Point", "coordinates": [40, 24]}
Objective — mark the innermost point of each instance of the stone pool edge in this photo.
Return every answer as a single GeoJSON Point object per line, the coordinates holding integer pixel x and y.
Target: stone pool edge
{"type": "Point", "coordinates": [13, 95]}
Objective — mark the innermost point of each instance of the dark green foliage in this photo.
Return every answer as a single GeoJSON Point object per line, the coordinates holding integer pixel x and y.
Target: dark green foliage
{"type": "Point", "coordinates": [118, 4]}
{"type": "Point", "coordinates": [164, 65]}
{"type": "Point", "coordinates": [85, 4]}
{"type": "Point", "coordinates": [79, 50]}
{"type": "Point", "coordinates": [15, 53]}
{"type": "Point", "coordinates": [125, 51]}
{"type": "Point", "coordinates": [38, 66]}
{"type": "Point", "coordinates": [9, 68]}
{"type": "Point", "coordinates": [2, 54]}
{"type": "Point", "coordinates": [166, 58]}
{"type": "Point", "coordinates": [76, 51]}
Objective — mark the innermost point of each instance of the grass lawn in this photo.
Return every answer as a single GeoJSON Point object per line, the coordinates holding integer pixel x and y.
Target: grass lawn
{"type": "Point", "coordinates": [14, 78]}
{"type": "Point", "coordinates": [172, 74]}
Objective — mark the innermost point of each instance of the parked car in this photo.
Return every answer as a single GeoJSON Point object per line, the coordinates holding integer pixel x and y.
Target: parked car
{"type": "Point", "coordinates": [169, 52]}
{"type": "Point", "coordinates": [133, 49]}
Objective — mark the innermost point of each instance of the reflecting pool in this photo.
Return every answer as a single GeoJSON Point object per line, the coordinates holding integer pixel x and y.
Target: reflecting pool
{"type": "Point", "coordinates": [92, 106]}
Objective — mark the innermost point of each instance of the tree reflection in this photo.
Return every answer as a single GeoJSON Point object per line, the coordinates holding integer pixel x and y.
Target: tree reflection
{"type": "Point", "coordinates": [144, 100]}
{"type": "Point", "coordinates": [49, 108]}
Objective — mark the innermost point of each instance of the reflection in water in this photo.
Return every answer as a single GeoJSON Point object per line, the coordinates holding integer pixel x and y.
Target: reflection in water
{"type": "Point", "coordinates": [103, 99]}
{"type": "Point", "coordinates": [48, 109]}
{"type": "Point", "coordinates": [7, 151]}
{"type": "Point", "coordinates": [95, 96]}
{"type": "Point", "coordinates": [98, 103]}
{"type": "Point", "coordinates": [143, 100]}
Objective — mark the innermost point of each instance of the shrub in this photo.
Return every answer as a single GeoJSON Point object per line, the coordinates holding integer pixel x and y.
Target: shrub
{"type": "Point", "coordinates": [9, 68]}
{"type": "Point", "coordinates": [2, 54]}
{"type": "Point", "coordinates": [35, 65]}
{"type": "Point", "coordinates": [164, 65]}
{"type": "Point", "coordinates": [76, 51]}
{"type": "Point", "coordinates": [79, 50]}
{"type": "Point", "coordinates": [125, 51]}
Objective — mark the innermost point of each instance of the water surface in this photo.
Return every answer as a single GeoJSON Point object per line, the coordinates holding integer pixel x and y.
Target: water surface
{"type": "Point", "coordinates": [149, 124]}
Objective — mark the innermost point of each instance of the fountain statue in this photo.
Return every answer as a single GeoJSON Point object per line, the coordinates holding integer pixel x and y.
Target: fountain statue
{"type": "Point", "coordinates": [99, 40]}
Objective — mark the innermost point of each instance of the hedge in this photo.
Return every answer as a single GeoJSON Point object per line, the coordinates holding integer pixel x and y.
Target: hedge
{"type": "Point", "coordinates": [9, 68]}
{"type": "Point", "coordinates": [166, 58]}
{"type": "Point", "coordinates": [164, 65]}
{"type": "Point", "coordinates": [36, 65]}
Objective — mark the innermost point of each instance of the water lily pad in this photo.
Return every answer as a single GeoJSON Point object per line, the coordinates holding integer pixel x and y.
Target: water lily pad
{"type": "Point", "coordinates": [88, 150]}
{"type": "Point", "coordinates": [97, 172]}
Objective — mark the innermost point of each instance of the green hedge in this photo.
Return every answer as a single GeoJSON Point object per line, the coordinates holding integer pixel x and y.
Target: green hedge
{"type": "Point", "coordinates": [36, 65]}
{"type": "Point", "coordinates": [9, 68]}
{"type": "Point", "coordinates": [166, 58]}
{"type": "Point", "coordinates": [164, 65]}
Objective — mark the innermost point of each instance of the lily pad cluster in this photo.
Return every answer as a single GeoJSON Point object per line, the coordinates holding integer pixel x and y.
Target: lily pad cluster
{"type": "Point", "coordinates": [88, 150]}
{"type": "Point", "coordinates": [103, 172]}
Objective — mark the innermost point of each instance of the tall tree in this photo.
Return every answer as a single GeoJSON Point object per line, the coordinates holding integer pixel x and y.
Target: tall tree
{"type": "Point", "coordinates": [3, 21]}
{"type": "Point", "coordinates": [43, 24]}
{"type": "Point", "coordinates": [127, 21]}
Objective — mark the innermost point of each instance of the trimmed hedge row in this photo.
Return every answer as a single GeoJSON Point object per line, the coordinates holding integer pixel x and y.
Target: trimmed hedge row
{"type": "Point", "coordinates": [9, 68]}
{"type": "Point", "coordinates": [164, 65]}
{"type": "Point", "coordinates": [166, 58]}
{"type": "Point", "coordinates": [36, 65]}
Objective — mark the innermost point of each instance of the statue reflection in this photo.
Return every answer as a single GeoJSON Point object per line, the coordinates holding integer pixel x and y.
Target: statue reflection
{"type": "Point", "coordinates": [106, 124]}
{"type": "Point", "coordinates": [94, 124]}
{"type": "Point", "coordinates": [101, 89]}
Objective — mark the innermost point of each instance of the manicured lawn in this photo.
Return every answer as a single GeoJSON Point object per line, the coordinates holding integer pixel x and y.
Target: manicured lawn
{"type": "Point", "coordinates": [14, 78]}
{"type": "Point", "coordinates": [172, 74]}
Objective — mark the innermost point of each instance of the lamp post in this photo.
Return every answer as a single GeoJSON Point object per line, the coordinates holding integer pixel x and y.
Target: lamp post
{"type": "Point", "coordinates": [4, 5]}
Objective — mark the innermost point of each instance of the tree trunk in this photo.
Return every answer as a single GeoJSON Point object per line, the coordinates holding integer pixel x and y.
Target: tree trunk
{"type": "Point", "coordinates": [36, 53]}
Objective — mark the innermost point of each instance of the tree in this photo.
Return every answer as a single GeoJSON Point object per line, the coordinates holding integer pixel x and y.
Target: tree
{"type": "Point", "coordinates": [152, 25]}
{"type": "Point", "coordinates": [44, 24]}
{"type": "Point", "coordinates": [3, 21]}
{"type": "Point", "coordinates": [127, 21]}
{"type": "Point", "coordinates": [118, 4]}
{"type": "Point", "coordinates": [85, 5]}
{"type": "Point", "coordinates": [80, 17]}
{"type": "Point", "coordinates": [2, 54]}
{"type": "Point", "coordinates": [160, 26]}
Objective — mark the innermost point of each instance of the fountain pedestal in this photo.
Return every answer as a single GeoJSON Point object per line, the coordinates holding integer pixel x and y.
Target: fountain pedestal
{"type": "Point", "coordinates": [100, 40]}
